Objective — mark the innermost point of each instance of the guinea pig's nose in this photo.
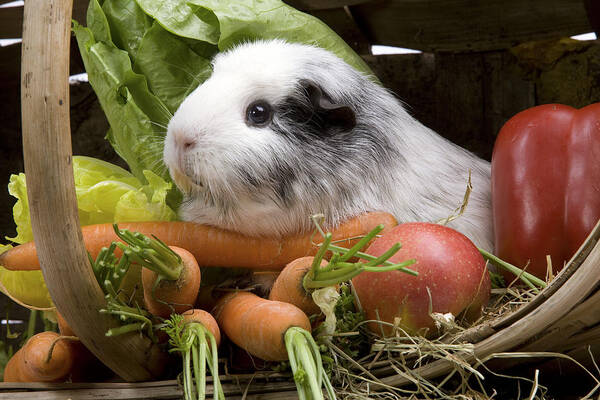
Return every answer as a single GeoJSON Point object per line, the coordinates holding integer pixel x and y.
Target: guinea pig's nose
{"type": "Point", "coordinates": [188, 143]}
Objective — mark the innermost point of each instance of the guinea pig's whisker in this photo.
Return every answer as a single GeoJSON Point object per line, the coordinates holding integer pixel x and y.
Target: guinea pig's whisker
{"type": "Point", "coordinates": [160, 126]}
{"type": "Point", "coordinates": [166, 111]}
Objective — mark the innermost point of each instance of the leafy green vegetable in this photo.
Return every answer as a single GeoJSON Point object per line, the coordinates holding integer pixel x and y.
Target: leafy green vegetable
{"type": "Point", "coordinates": [179, 18]}
{"type": "Point", "coordinates": [105, 193]}
{"type": "Point", "coordinates": [144, 57]}
{"type": "Point", "coordinates": [171, 67]}
{"type": "Point", "coordinates": [127, 22]}
{"type": "Point", "coordinates": [244, 20]}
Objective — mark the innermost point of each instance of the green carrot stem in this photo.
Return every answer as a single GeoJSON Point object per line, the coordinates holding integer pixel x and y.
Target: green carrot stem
{"type": "Point", "coordinates": [347, 271]}
{"type": "Point", "coordinates": [395, 267]}
{"type": "Point", "coordinates": [138, 326]}
{"type": "Point", "coordinates": [384, 257]}
{"type": "Point", "coordinates": [120, 271]}
{"type": "Point", "coordinates": [187, 377]}
{"type": "Point", "coordinates": [361, 243]}
{"type": "Point", "coordinates": [201, 381]}
{"type": "Point", "coordinates": [335, 273]}
{"type": "Point", "coordinates": [316, 264]}
{"type": "Point", "coordinates": [525, 276]}
{"type": "Point", "coordinates": [214, 368]}
{"type": "Point", "coordinates": [358, 254]}
{"type": "Point", "coordinates": [150, 253]}
{"type": "Point", "coordinates": [307, 365]}
{"type": "Point", "coordinates": [31, 324]}
{"type": "Point", "coordinates": [124, 315]}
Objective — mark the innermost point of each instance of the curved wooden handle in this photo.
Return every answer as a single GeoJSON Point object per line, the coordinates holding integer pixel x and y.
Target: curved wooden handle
{"type": "Point", "coordinates": [51, 190]}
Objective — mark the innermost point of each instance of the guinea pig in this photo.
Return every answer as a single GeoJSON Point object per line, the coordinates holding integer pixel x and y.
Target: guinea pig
{"type": "Point", "coordinates": [282, 131]}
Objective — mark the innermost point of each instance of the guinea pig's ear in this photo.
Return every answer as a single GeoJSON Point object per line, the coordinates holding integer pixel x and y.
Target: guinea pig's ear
{"type": "Point", "coordinates": [333, 115]}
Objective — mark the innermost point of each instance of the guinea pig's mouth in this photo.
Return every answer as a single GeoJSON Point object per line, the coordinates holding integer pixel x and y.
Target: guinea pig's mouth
{"type": "Point", "coordinates": [185, 182]}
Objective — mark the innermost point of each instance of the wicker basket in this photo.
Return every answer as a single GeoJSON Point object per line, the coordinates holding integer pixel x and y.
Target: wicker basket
{"type": "Point", "coordinates": [563, 318]}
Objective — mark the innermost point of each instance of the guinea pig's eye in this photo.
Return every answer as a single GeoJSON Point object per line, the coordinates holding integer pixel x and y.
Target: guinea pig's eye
{"type": "Point", "coordinates": [258, 113]}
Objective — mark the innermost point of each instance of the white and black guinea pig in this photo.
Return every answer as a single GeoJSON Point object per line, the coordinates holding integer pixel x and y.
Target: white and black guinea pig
{"type": "Point", "coordinates": [283, 131]}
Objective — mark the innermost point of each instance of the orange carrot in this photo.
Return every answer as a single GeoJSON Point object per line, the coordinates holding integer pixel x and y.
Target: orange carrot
{"type": "Point", "coordinates": [275, 331]}
{"type": "Point", "coordinates": [12, 370]}
{"type": "Point", "coordinates": [212, 246]}
{"type": "Point", "coordinates": [258, 325]}
{"type": "Point", "coordinates": [170, 274]}
{"type": "Point", "coordinates": [172, 296]}
{"type": "Point", "coordinates": [196, 336]}
{"type": "Point", "coordinates": [206, 319]}
{"type": "Point", "coordinates": [289, 285]}
{"type": "Point", "coordinates": [44, 358]}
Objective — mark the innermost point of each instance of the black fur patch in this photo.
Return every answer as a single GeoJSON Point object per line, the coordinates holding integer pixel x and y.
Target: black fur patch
{"type": "Point", "coordinates": [310, 114]}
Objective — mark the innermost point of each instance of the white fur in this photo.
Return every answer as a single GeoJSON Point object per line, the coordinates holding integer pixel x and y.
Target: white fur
{"type": "Point", "coordinates": [422, 176]}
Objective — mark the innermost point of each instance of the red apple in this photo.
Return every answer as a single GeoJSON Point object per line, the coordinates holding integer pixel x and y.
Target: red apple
{"type": "Point", "coordinates": [449, 265]}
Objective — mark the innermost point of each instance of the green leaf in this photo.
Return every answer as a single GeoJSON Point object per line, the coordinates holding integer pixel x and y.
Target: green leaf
{"type": "Point", "coordinates": [26, 286]}
{"type": "Point", "coordinates": [179, 18]}
{"type": "Point", "coordinates": [128, 24]}
{"type": "Point", "coordinates": [172, 69]}
{"type": "Point", "coordinates": [97, 22]}
{"type": "Point", "coordinates": [105, 192]}
{"type": "Point", "coordinates": [136, 116]}
{"type": "Point", "coordinates": [244, 20]}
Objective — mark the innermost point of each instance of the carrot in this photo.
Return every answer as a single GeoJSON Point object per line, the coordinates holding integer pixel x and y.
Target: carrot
{"type": "Point", "coordinates": [85, 364]}
{"type": "Point", "coordinates": [12, 370]}
{"type": "Point", "coordinates": [170, 274]}
{"type": "Point", "coordinates": [258, 325]}
{"type": "Point", "coordinates": [275, 331]}
{"type": "Point", "coordinates": [212, 246]}
{"type": "Point", "coordinates": [206, 319]}
{"type": "Point", "coordinates": [299, 279]}
{"type": "Point", "coordinates": [46, 357]}
{"type": "Point", "coordinates": [289, 285]}
{"type": "Point", "coordinates": [196, 335]}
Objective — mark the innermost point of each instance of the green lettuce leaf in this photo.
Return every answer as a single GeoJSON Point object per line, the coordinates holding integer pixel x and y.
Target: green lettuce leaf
{"type": "Point", "coordinates": [178, 17]}
{"type": "Point", "coordinates": [244, 20]}
{"type": "Point", "coordinates": [172, 68]}
{"type": "Point", "coordinates": [26, 286]}
{"type": "Point", "coordinates": [106, 193]}
{"type": "Point", "coordinates": [136, 116]}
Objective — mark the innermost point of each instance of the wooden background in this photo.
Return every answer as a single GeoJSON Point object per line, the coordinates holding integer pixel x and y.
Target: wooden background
{"type": "Point", "coordinates": [482, 62]}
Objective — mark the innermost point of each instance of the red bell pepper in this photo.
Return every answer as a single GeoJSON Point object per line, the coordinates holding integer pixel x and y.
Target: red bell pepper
{"type": "Point", "coordinates": [546, 184]}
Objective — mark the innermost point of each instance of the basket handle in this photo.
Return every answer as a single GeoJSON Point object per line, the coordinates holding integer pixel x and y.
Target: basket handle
{"type": "Point", "coordinates": [51, 190]}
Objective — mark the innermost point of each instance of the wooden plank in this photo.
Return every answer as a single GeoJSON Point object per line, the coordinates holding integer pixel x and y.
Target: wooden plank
{"type": "Point", "coordinates": [311, 5]}
{"type": "Point", "coordinates": [343, 24]}
{"type": "Point", "coordinates": [11, 19]}
{"type": "Point", "coordinates": [11, 22]}
{"type": "Point", "coordinates": [458, 25]}
{"type": "Point", "coordinates": [592, 8]}
{"type": "Point", "coordinates": [140, 391]}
